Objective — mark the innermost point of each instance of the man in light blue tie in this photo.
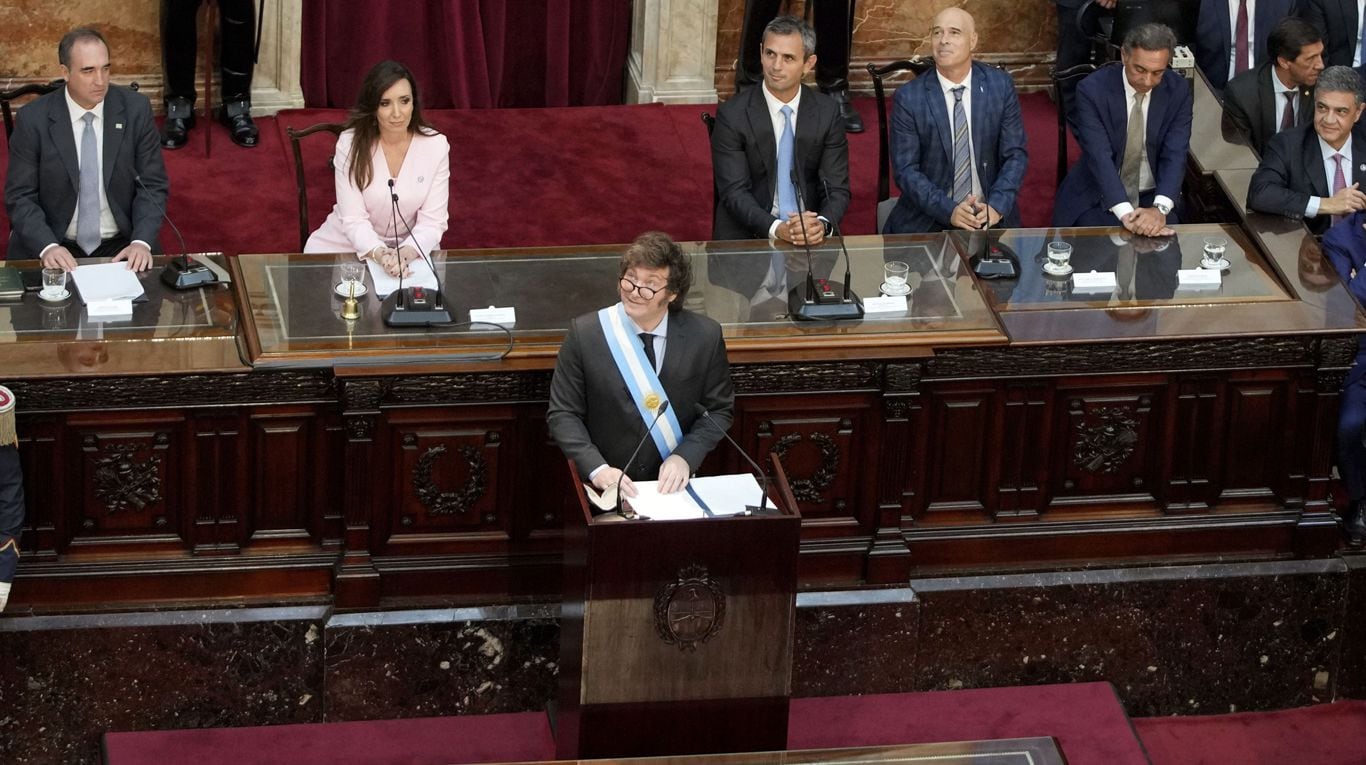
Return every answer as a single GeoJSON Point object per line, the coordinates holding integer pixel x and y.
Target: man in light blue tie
{"type": "Point", "coordinates": [86, 178]}
{"type": "Point", "coordinates": [779, 153]}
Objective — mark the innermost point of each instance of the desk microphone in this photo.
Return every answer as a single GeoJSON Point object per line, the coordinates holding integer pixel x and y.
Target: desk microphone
{"type": "Point", "coordinates": [415, 306]}
{"type": "Point", "coordinates": [705, 414]}
{"type": "Point", "coordinates": [181, 273]}
{"type": "Point", "coordinates": [849, 296]}
{"type": "Point", "coordinates": [663, 407]}
{"type": "Point", "coordinates": [823, 300]}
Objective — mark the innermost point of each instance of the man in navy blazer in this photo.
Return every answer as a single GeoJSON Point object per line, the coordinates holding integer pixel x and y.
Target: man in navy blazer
{"type": "Point", "coordinates": [746, 140]}
{"type": "Point", "coordinates": [1095, 192]}
{"type": "Point", "coordinates": [1340, 24]}
{"type": "Point", "coordinates": [1300, 170]}
{"type": "Point", "coordinates": [42, 189]}
{"type": "Point", "coordinates": [1345, 247]}
{"type": "Point", "coordinates": [1215, 25]}
{"type": "Point", "coordinates": [923, 139]}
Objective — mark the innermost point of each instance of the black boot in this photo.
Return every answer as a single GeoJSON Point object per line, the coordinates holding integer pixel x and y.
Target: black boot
{"type": "Point", "coordinates": [853, 123]}
{"type": "Point", "coordinates": [175, 132]}
{"type": "Point", "coordinates": [236, 116]}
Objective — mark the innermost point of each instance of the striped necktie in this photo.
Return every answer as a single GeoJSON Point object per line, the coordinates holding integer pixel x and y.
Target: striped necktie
{"type": "Point", "coordinates": [962, 150]}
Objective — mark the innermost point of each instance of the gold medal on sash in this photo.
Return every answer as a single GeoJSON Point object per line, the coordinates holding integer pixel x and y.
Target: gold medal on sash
{"type": "Point", "coordinates": [652, 401]}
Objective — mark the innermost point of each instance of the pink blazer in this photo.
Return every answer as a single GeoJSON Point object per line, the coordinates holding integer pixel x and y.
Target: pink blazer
{"type": "Point", "coordinates": [361, 219]}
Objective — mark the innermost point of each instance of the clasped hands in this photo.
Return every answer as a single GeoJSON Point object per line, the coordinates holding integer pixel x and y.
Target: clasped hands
{"type": "Point", "coordinates": [673, 476]}
{"type": "Point", "coordinates": [394, 259]}
{"type": "Point", "coordinates": [1147, 221]}
{"type": "Point", "coordinates": [804, 228]}
{"type": "Point", "coordinates": [972, 214]}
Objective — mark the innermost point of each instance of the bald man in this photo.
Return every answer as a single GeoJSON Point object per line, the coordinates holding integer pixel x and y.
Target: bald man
{"type": "Point", "coordinates": [957, 139]}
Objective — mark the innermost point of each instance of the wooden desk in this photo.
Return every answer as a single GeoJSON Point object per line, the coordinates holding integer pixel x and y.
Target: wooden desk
{"type": "Point", "coordinates": [984, 428]}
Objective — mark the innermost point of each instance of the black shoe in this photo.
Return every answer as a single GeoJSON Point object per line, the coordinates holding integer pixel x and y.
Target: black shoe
{"type": "Point", "coordinates": [1355, 524]}
{"type": "Point", "coordinates": [175, 131]}
{"type": "Point", "coordinates": [853, 123]}
{"type": "Point", "coordinates": [236, 116]}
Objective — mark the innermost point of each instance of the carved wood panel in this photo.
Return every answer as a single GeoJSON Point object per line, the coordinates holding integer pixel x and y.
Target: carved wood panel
{"type": "Point", "coordinates": [287, 454]}
{"type": "Point", "coordinates": [1110, 444]}
{"type": "Point", "coordinates": [1259, 435]}
{"type": "Point", "coordinates": [1022, 453]}
{"type": "Point", "coordinates": [961, 428]}
{"type": "Point", "coordinates": [217, 493]}
{"type": "Point", "coordinates": [132, 482]}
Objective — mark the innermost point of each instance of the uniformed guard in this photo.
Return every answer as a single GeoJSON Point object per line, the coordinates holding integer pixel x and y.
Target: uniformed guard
{"type": "Point", "coordinates": [179, 45]}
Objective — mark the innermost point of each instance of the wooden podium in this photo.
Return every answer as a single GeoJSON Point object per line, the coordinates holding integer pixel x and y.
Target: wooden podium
{"type": "Point", "coordinates": [676, 636]}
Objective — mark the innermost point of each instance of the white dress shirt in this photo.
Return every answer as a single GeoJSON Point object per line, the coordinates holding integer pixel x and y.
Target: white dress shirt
{"type": "Point", "coordinates": [948, 85]}
{"type": "Point", "coordinates": [1361, 11]}
{"type": "Point", "coordinates": [1251, 35]}
{"type": "Point", "coordinates": [1330, 169]}
{"type": "Point", "coordinates": [1146, 182]}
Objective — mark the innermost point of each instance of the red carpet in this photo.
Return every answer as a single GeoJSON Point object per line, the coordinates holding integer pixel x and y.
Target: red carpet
{"type": "Point", "coordinates": [523, 177]}
{"type": "Point", "coordinates": [1329, 734]}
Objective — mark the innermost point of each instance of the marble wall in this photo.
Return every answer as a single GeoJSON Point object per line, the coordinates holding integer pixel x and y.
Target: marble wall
{"type": "Point", "coordinates": [1199, 639]}
{"type": "Point", "coordinates": [1020, 35]}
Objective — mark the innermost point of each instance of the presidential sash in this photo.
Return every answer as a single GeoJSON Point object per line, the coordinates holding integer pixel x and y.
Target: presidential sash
{"type": "Point", "coordinates": [647, 393]}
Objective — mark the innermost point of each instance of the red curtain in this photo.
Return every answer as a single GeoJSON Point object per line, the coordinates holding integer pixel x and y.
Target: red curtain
{"type": "Point", "coordinates": [470, 53]}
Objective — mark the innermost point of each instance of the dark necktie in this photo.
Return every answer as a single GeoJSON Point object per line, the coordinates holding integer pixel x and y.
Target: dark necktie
{"type": "Point", "coordinates": [649, 341]}
{"type": "Point", "coordinates": [1288, 119]}
{"type": "Point", "coordinates": [1240, 53]}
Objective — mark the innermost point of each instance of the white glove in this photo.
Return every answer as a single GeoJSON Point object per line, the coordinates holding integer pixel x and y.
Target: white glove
{"type": "Point", "coordinates": [4, 594]}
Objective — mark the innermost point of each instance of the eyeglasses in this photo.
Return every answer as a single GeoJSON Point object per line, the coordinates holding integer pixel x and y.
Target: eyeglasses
{"type": "Point", "coordinates": [648, 293]}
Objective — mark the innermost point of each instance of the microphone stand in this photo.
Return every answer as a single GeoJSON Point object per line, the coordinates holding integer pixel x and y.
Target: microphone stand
{"type": "Point", "coordinates": [181, 273]}
{"type": "Point", "coordinates": [705, 414]}
{"type": "Point", "coordinates": [822, 301]}
{"type": "Point", "coordinates": [663, 407]}
{"type": "Point", "coordinates": [412, 306]}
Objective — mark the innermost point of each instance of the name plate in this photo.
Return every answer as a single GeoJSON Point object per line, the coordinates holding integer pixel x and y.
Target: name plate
{"type": "Point", "coordinates": [884, 304]}
{"type": "Point", "coordinates": [1199, 278]}
{"type": "Point", "coordinates": [117, 308]}
{"type": "Point", "coordinates": [504, 317]}
{"type": "Point", "coordinates": [1094, 281]}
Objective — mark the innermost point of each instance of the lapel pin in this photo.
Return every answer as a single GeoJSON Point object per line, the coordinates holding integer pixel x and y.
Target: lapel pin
{"type": "Point", "coordinates": [420, 178]}
{"type": "Point", "coordinates": [118, 126]}
{"type": "Point", "coordinates": [1362, 168]}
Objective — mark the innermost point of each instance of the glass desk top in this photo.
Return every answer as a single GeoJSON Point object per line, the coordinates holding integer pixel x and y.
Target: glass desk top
{"type": "Point", "coordinates": [295, 317]}
{"type": "Point", "coordinates": [171, 331]}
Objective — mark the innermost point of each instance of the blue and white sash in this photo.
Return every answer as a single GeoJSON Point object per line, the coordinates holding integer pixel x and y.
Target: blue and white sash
{"type": "Point", "coordinates": [647, 393]}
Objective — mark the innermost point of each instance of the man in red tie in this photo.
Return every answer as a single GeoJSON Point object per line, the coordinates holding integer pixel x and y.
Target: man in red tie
{"type": "Point", "coordinates": [1279, 93]}
{"type": "Point", "coordinates": [1231, 35]}
{"type": "Point", "coordinates": [1316, 172]}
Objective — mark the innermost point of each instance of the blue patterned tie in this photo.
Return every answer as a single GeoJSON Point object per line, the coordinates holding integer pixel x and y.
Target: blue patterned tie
{"type": "Point", "coordinates": [962, 152]}
{"type": "Point", "coordinates": [787, 193]}
{"type": "Point", "coordinates": [88, 196]}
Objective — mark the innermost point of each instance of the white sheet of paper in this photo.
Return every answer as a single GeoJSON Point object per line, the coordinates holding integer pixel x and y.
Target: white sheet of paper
{"type": "Point", "coordinates": [885, 304]}
{"type": "Point", "coordinates": [1199, 277]}
{"type": "Point", "coordinates": [384, 283]}
{"type": "Point", "coordinates": [106, 281]}
{"type": "Point", "coordinates": [1094, 281]}
{"type": "Point", "coordinates": [723, 495]}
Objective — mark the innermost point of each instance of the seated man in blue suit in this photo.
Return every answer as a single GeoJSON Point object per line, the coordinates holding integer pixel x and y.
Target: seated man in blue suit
{"type": "Point", "coordinates": [1315, 172]}
{"type": "Point", "coordinates": [1134, 127]}
{"type": "Point", "coordinates": [958, 140]}
{"type": "Point", "coordinates": [1345, 247]}
{"type": "Point", "coordinates": [1220, 51]}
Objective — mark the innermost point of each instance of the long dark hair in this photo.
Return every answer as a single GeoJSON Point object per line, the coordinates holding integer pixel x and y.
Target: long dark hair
{"type": "Point", "coordinates": [365, 125]}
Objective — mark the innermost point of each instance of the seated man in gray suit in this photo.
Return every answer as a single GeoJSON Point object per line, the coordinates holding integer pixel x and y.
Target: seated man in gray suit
{"type": "Point", "coordinates": [619, 367]}
{"type": "Point", "coordinates": [1279, 93]}
{"type": "Point", "coordinates": [86, 177]}
{"type": "Point", "coordinates": [1314, 172]}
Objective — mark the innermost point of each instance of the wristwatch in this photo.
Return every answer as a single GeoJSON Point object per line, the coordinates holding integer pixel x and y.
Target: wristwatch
{"type": "Point", "coordinates": [1163, 208]}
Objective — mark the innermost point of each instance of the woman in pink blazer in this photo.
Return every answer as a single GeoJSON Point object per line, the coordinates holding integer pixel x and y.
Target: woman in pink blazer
{"type": "Point", "coordinates": [387, 145]}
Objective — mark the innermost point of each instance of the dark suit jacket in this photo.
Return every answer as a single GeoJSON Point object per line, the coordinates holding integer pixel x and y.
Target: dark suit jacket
{"type": "Point", "coordinates": [1345, 247]}
{"type": "Point", "coordinates": [1337, 21]}
{"type": "Point", "coordinates": [922, 150]}
{"type": "Point", "coordinates": [593, 419]}
{"type": "Point", "coordinates": [1250, 107]}
{"type": "Point", "coordinates": [744, 157]}
{"type": "Point", "coordinates": [1292, 170]}
{"type": "Point", "coordinates": [1214, 35]}
{"type": "Point", "coordinates": [41, 187]}
{"type": "Point", "coordinates": [1101, 128]}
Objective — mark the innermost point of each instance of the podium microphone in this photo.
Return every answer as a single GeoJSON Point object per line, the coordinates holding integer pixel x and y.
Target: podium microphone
{"type": "Point", "coordinates": [413, 306]}
{"type": "Point", "coordinates": [181, 273]}
{"type": "Point", "coordinates": [705, 414]}
{"type": "Point", "coordinates": [849, 295]}
{"type": "Point", "coordinates": [823, 300]}
{"type": "Point", "coordinates": [663, 407]}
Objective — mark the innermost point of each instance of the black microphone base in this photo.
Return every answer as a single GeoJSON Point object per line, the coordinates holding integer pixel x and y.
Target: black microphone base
{"type": "Point", "coordinates": [187, 275]}
{"type": "Point", "coordinates": [828, 304]}
{"type": "Point", "coordinates": [420, 307]}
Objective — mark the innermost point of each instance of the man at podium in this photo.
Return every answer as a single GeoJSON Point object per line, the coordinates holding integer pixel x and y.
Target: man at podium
{"type": "Point", "coordinates": [637, 371]}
